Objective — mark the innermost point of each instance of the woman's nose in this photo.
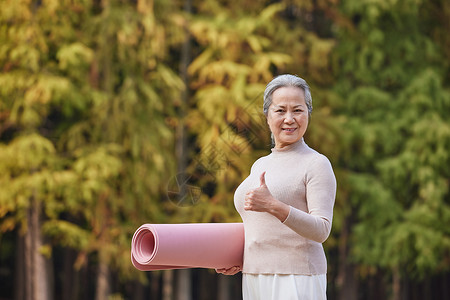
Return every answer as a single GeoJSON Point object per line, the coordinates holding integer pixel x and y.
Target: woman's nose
{"type": "Point", "coordinates": [289, 118]}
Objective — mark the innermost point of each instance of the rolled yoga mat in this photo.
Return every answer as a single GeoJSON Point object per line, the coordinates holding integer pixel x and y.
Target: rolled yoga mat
{"type": "Point", "coordinates": [181, 246]}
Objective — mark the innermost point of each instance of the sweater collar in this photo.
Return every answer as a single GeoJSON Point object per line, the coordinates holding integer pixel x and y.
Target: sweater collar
{"type": "Point", "coordinates": [290, 148]}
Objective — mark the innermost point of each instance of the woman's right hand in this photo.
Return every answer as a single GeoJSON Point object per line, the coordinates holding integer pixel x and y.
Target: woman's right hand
{"type": "Point", "coordinates": [229, 271]}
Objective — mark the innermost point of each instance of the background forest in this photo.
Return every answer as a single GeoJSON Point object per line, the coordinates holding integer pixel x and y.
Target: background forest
{"type": "Point", "coordinates": [115, 113]}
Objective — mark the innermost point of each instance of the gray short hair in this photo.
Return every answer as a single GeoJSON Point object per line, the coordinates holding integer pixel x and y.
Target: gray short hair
{"type": "Point", "coordinates": [285, 81]}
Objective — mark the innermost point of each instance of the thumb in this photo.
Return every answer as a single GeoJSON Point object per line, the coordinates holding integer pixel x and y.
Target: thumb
{"type": "Point", "coordinates": [262, 179]}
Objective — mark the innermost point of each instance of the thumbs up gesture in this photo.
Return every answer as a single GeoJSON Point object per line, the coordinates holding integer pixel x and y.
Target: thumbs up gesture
{"type": "Point", "coordinates": [261, 200]}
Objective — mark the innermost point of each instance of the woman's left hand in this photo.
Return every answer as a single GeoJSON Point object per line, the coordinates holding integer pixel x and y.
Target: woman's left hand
{"type": "Point", "coordinates": [229, 271]}
{"type": "Point", "coordinates": [261, 200]}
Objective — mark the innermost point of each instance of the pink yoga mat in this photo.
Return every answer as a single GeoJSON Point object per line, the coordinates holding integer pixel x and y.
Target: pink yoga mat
{"type": "Point", "coordinates": [181, 246]}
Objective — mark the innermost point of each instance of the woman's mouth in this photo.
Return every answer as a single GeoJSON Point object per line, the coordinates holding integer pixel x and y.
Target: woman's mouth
{"type": "Point", "coordinates": [289, 129]}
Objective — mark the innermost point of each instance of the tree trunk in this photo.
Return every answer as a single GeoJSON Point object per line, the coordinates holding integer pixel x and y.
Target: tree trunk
{"type": "Point", "coordinates": [346, 280]}
{"type": "Point", "coordinates": [103, 288]}
{"type": "Point", "coordinates": [167, 290]}
{"type": "Point", "coordinates": [139, 292]}
{"type": "Point", "coordinates": [396, 284]}
{"type": "Point", "coordinates": [20, 282]}
{"type": "Point", "coordinates": [223, 292]}
{"type": "Point", "coordinates": [155, 288]}
{"type": "Point", "coordinates": [377, 286]}
{"type": "Point", "coordinates": [181, 140]}
{"type": "Point", "coordinates": [184, 277]}
{"type": "Point", "coordinates": [70, 284]}
{"type": "Point", "coordinates": [32, 268]}
{"type": "Point", "coordinates": [184, 289]}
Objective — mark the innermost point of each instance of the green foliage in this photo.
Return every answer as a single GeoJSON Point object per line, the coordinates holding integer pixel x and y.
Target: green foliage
{"type": "Point", "coordinates": [67, 234]}
{"type": "Point", "coordinates": [85, 96]}
{"type": "Point", "coordinates": [397, 137]}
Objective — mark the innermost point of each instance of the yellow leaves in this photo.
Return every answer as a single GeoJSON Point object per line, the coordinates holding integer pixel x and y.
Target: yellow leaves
{"type": "Point", "coordinates": [24, 45]}
{"type": "Point", "coordinates": [26, 56]}
{"type": "Point", "coordinates": [210, 69]}
{"type": "Point", "coordinates": [95, 170]}
{"type": "Point", "coordinates": [46, 250]}
{"type": "Point", "coordinates": [261, 69]}
{"type": "Point", "coordinates": [269, 12]}
{"type": "Point", "coordinates": [227, 130]}
{"type": "Point", "coordinates": [74, 55]}
{"type": "Point", "coordinates": [51, 6]}
{"type": "Point", "coordinates": [221, 71]}
{"type": "Point", "coordinates": [27, 170]}
{"type": "Point", "coordinates": [18, 10]}
{"type": "Point", "coordinates": [145, 6]}
{"type": "Point", "coordinates": [6, 224]}
{"type": "Point", "coordinates": [46, 89]}
{"type": "Point", "coordinates": [201, 60]}
{"type": "Point", "coordinates": [67, 234]}
{"type": "Point", "coordinates": [320, 51]}
{"type": "Point", "coordinates": [257, 44]}
{"type": "Point", "coordinates": [26, 153]}
{"type": "Point", "coordinates": [100, 164]}
{"type": "Point", "coordinates": [30, 97]}
{"type": "Point", "coordinates": [205, 31]}
{"type": "Point", "coordinates": [235, 47]}
{"type": "Point", "coordinates": [170, 78]}
{"type": "Point", "coordinates": [76, 136]}
{"type": "Point", "coordinates": [224, 32]}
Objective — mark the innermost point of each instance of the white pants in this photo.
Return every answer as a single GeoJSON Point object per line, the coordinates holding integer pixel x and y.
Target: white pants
{"type": "Point", "coordinates": [284, 287]}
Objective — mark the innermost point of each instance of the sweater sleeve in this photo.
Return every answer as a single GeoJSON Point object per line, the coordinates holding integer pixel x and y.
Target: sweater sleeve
{"type": "Point", "coordinates": [320, 196]}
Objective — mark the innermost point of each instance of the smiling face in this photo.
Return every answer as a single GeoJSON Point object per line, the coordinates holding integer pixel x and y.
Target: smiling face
{"type": "Point", "coordinates": [287, 115]}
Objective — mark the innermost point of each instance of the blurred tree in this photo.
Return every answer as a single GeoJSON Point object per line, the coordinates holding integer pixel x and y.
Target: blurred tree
{"type": "Point", "coordinates": [395, 108]}
{"type": "Point", "coordinates": [86, 103]}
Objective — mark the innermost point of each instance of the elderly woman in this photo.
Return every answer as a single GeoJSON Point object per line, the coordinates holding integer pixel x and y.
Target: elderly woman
{"type": "Point", "coordinates": [286, 204]}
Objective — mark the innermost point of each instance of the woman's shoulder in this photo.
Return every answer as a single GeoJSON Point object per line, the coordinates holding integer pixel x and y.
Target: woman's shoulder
{"type": "Point", "coordinates": [315, 158]}
{"type": "Point", "coordinates": [313, 153]}
{"type": "Point", "coordinates": [260, 162]}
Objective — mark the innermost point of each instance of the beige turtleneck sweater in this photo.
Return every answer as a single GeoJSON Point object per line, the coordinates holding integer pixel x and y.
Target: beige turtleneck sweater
{"type": "Point", "coordinates": [302, 178]}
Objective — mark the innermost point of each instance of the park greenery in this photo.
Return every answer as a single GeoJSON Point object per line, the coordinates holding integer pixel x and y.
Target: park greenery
{"type": "Point", "coordinates": [106, 106]}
